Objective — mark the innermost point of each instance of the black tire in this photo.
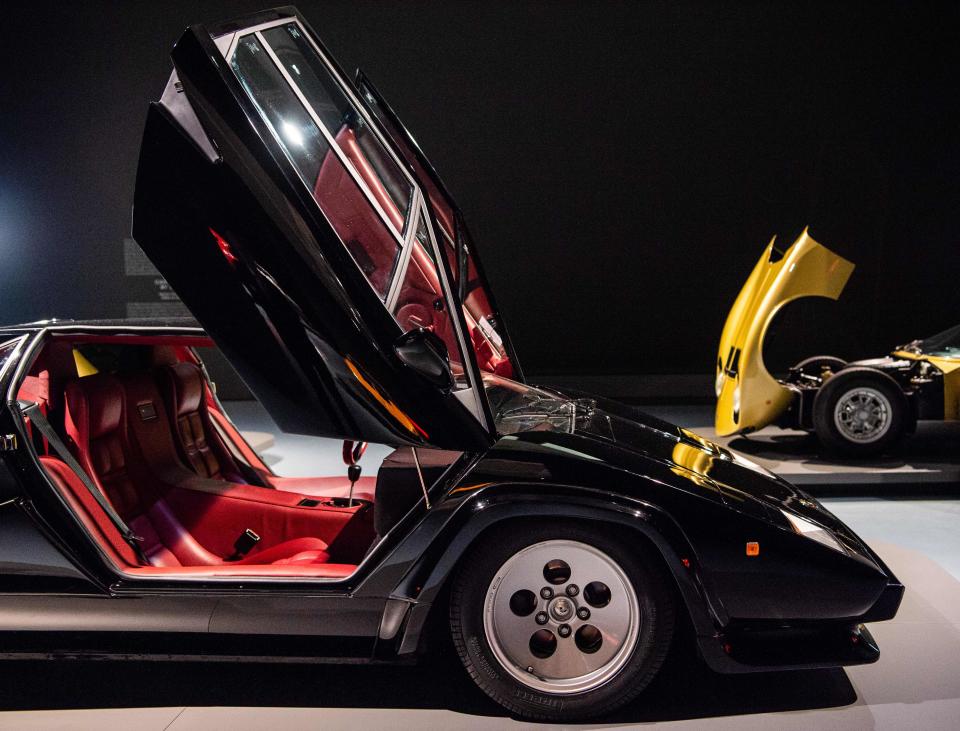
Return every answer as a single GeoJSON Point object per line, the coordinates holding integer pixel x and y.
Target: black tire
{"type": "Point", "coordinates": [817, 364]}
{"type": "Point", "coordinates": [654, 591]}
{"type": "Point", "coordinates": [841, 385]}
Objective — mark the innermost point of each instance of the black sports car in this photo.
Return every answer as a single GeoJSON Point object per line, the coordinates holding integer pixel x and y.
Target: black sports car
{"type": "Point", "coordinates": [556, 538]}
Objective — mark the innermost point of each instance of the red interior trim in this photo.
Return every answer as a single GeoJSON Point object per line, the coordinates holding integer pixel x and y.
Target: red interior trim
{"type": "Point", "coordinates": [268, 571]}
{"type": "Point", "coordinates": [216, 512]}
{"type": "Point", "coordinates": [326, 486]}
{"type": "Point", "coordinates": [122, 433]}
{"type": "Point", "coordinates": [89, 514]}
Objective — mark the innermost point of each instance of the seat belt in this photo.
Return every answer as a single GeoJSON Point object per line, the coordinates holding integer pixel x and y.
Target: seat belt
{"type": "Point", "coordinates": [32, 411]}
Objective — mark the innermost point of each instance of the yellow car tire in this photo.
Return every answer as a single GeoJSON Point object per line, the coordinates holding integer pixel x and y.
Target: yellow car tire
{"type": "Point", "coordinates": [860, 412]}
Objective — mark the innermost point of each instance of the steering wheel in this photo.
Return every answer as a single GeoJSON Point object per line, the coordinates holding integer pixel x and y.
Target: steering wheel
{"type": "Point", "coordinates": [353, 451]}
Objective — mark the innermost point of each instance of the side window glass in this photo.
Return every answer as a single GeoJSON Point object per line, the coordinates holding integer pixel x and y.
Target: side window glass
{"type": "Point", "coordinates": [468, 288]}
{"type": "Point", "coordinates": [342, 121]}
{"type": "Point", "coordinates": [7, 349]}
{"type": "Point", "coordinates": [419, 300]}
{"type": "Point", "coordinates": [373, 246]}
{"type": "Point", "coordinates": [288, 119]}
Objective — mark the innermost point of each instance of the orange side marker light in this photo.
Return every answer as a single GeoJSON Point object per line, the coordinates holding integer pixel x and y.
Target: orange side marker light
{"type": "Point", "coordinates": [753, 548]}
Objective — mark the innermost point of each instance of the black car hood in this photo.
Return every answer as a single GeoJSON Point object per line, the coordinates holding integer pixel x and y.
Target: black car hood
{"type": "Point", "coordinates": [608, 435]}
{"type": "Point", "coordinates": [736, 477]}
{"type": "Point", "coordinates": [626, 437]}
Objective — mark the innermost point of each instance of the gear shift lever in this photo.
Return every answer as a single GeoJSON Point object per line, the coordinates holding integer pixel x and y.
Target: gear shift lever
{"type": "Point", "coordinates": [352, 452]}
{"type": "Point", "coordinates": [353, 474]}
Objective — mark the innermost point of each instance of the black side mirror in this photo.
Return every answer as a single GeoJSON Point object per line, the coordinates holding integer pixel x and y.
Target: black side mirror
{"type": "Point", "coordinates": [424, 352]}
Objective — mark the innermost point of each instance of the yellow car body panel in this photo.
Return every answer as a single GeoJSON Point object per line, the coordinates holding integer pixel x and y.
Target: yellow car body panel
{"type": "Point", "coordinates": [950, 367]}
{"type": "Point", "coordinates": [748, 396]}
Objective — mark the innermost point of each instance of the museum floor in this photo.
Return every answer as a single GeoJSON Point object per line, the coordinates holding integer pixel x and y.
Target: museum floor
{"type": "Point", "coordinates": [916, 683]}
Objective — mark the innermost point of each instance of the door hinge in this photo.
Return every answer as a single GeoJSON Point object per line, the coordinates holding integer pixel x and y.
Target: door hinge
{"type": "Point", "coordinates": [8, 442]}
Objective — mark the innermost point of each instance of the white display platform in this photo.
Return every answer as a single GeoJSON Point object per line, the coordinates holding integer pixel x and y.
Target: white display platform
{"type": "Point", "coordinates": [915, 685]}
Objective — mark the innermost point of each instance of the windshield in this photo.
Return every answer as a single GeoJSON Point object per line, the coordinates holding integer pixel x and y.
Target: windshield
{"type": "Point", "coordinates": [518, 407]}
{"type": "Point", "coordinates": [944, 344]}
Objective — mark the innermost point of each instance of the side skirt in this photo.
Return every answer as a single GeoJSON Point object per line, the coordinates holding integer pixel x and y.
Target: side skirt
{"type": "Point", "coordinates": [186, 647]}
{"type": "Point", "coordinates": [266, 659]}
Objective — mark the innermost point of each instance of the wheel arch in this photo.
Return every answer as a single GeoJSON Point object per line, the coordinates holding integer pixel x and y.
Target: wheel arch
{"type": "Point", "coordinates": [495, 507]}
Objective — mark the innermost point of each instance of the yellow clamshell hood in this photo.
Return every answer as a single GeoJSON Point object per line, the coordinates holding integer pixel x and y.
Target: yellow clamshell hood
{"type": "Point", "coordinates": [748, 397]}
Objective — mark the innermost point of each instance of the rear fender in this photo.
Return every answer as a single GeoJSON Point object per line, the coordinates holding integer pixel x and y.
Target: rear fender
{"type": "Point", "coordinates": [493, 505]}
{"type": "Point", "coordinates": [748, 397]}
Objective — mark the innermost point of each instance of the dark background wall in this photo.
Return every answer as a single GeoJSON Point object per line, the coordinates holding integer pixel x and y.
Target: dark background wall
{"type": "Point", "coordinates": [622, 165]}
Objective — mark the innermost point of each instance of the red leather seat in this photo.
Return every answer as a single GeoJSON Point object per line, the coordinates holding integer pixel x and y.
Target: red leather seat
{"type": "Point", "coordinates": [107, 535]}
{"type": "Point", "coordinates": [202, 449]}
{"type": "Point", "coordinates": [96, 423]}
{"type": "Point", "coordinates": [197, 440]}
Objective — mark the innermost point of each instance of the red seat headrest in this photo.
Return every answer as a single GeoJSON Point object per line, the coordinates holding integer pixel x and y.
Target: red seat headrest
{"type": "Point", "coordinates": [94, 406]}
{"type": "Point", "coordinates": [187, 383]}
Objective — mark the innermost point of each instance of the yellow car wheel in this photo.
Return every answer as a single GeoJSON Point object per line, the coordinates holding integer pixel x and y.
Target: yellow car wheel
{"type": "Point", "coordinates": [860, 412]}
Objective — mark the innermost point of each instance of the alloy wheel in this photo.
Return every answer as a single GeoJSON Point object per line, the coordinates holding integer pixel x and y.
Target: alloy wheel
{"type": "Point", "coordinates": [862, 415]}
{"type": "Point", "coordinates": [561, 617]}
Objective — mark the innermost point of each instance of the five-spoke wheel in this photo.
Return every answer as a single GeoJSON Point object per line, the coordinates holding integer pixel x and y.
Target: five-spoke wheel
{"type": "Point", "coordinates": [548, 633]}
{"type": "Point", "coordinates": [561, 621]}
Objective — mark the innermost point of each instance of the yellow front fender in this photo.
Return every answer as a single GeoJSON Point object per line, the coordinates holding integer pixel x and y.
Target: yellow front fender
{"type": "Point", "coordinates": [748, 397]}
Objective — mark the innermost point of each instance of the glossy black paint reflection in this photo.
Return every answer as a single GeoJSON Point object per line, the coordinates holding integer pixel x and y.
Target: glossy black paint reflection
{"type": "Point", "coordinates": [638, 493]}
